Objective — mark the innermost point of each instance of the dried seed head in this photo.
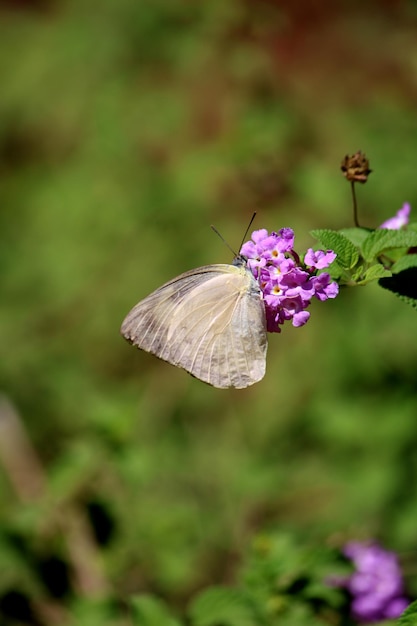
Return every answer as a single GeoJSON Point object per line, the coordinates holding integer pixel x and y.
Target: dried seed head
{"type": "Point", "coordinates": [355, 168]}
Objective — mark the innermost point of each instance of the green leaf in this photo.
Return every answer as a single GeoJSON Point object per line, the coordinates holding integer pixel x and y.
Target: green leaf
{"type": "Point", "coordinates": [221, 605]}
{"type": "Point", "coordinates": [374, 273]}
{"type": "Point", "coordinates": [347, 252]}
{"type": "Point", "coordinates": [146, 610]}
{"type": "Point", "coordinates": [403, 285]}
{"type": "Point", "coordinates": [408, 260]}
{"type": "Point", "coordinates": [356, 235]}
{"type": "Point", "coordinates": [336, 272]}
{"type": "Point", "coordinates": [409, 617]}
{"type": "Point", "coordinates": [385, 239]}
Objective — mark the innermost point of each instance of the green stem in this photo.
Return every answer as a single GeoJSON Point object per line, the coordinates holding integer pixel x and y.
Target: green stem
{"type": "Point", "coordinates": [355, 204]}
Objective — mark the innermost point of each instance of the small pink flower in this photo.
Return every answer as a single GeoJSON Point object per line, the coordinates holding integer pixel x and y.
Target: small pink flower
{"type": "Point", "coordinates": [319, 259]}
{"type": "Point", "coordinates": [400, 219]}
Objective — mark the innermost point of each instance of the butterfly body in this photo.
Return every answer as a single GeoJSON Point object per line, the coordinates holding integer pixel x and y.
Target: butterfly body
{"type": "Point", "coordinates": [209, 321]}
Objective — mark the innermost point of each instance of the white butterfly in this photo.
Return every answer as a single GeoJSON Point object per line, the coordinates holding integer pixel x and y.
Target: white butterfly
{"type": "Point", "coordinates": [210, 321]}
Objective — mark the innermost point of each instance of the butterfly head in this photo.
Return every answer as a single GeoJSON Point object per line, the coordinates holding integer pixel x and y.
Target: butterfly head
{"type": "Point", "coordinates": [240, 260]}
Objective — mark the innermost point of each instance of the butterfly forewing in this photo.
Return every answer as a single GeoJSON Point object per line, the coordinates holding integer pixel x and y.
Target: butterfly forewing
{"type": "Point", "coordinates": [209, 321]}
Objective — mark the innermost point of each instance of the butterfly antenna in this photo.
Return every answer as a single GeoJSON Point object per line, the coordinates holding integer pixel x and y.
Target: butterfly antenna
{"type": "Point", "coordinates": [247, 230]}
{"type": "Point", "coordinates": [224, 240]}
{"type": "Point", "coordinates": [244, 236]}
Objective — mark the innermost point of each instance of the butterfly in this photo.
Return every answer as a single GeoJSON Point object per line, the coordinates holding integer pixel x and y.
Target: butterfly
{"type": "Point", "coordinates": [210, 321]}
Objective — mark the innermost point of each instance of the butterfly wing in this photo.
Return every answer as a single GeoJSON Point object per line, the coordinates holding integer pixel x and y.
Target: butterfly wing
{"type": "Point", "coordinates": [209, 321]}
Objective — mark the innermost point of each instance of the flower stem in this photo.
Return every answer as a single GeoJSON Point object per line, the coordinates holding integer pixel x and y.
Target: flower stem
{"type": "Point", "coordinates": [355, 204]}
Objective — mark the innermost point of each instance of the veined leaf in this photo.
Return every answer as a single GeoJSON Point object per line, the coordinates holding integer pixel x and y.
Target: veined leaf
{"type": "Point", "coordinates": [374, 273]}
{"type": "Point", "coordinates": [335, 271]}
{"type": "Point", "coordinates": [347, 252]}
{"type": "Point", "coordinates": [407, 261]}
{"type": "Point", "coordinates": [385, 239]}
{"type": "Point", "coordinates": [356, 235]}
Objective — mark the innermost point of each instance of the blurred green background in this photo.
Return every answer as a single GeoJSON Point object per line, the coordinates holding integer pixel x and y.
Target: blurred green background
{"type": "Point", "coordinates": [127, 127]}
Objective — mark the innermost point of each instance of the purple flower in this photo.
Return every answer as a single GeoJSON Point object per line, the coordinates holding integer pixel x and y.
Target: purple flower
{"type": "Point", "coordinates": [395, 607]}
{"type": "Point", "coordinates": [400, 219]}
{"type": "Point", "coordinates": [318, 258]}
{"type": "Point", "coordinates": [288, 285]}
{"type": "Point", "coordinates": [324, 288]}
{"type": "Point", "coordinates": [376, 585]}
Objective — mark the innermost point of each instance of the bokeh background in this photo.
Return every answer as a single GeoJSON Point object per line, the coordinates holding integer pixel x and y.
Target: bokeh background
{"type": "Point", "coordinates": [127, 127]}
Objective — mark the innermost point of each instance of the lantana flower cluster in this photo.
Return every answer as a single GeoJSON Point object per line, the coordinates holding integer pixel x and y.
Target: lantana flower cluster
{"type": "Point", "coordinates": [288, 285]}
{"type": "Point", "coordinates": [376, 586]}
